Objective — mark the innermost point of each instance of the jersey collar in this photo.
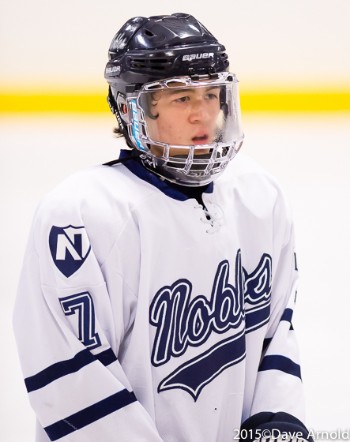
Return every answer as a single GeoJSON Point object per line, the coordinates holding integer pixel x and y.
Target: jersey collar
{"type": "Point", "coordinates": [180, 193]}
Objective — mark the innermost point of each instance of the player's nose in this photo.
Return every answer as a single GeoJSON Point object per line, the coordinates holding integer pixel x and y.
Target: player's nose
{"type": "Point", "coordinates": [198, 112]}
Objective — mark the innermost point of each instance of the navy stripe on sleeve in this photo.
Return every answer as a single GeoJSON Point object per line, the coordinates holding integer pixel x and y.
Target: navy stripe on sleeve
{"type": "Point", "coordinates": [277, 362]}
{"type": "Point", "coordinates": [58, 370]}
{"type": "Point", "coordinates": [287, 315]}
{"type": "Point", "coordinates": [106, 357]}
{"type": "Point", "coordinates": [266, 343]}
{"type": "Point", "coordinates": [90, 414]}
{"type": "Point", "coordinates": [63, 368]}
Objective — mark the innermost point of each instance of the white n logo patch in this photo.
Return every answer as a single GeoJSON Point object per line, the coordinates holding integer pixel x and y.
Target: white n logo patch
{"type": "Point", "coordinates": [74, 240]}
{"type": "Point", "coordinates": [69, 247]}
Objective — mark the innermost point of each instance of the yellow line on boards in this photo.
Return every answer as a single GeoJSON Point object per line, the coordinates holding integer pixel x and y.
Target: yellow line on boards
{"type": "Point", "coordinates": [53, 102]}
{"type": "Point", "coordinates": [267, 101]}
{"type": "Point", "coordinates": [289, 101]}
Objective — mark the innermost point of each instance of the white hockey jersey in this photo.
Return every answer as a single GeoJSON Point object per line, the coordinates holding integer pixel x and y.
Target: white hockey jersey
{"type": "Point", "coordinates": [143, 315]}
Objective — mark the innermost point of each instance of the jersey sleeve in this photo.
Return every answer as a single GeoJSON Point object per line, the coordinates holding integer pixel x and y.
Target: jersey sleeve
{"type": "Point", "coordinates": [68, 339]}
{"type": "Point", "coordinates": [279, 389]}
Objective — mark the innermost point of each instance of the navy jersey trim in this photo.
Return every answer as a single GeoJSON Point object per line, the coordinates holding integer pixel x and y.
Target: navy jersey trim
{"type": "Point", "coordinates": [106, 357]}
{"type": "Point", "coordinates": [172, 190]}
{"type": "Point", "coordinates": [266, 343]}
{"type": "Point", "coordinates": [257, 318]}
{"type": "Point", "coordinates": [287, 315]}
{"type": "Point", "coordinates": [90, 414]}
{"type": "Point", "coordinates": [281, 363]}
{"type": "Point", "coordinates": [63, 368]}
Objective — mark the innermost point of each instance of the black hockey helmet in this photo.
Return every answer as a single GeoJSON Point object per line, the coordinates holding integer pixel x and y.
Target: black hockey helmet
{"type": "Point", "coordinates": [150, 49]}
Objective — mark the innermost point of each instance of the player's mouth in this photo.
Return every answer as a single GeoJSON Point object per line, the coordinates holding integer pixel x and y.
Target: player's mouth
{"type": "Point", "coordinates": [200, 139]}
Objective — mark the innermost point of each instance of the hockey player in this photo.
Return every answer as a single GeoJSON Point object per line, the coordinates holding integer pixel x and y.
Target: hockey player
{"type": "Point", "coordinates": [157, 292]}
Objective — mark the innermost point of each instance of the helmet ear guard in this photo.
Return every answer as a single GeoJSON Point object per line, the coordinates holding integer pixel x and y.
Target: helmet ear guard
{"type": "Point", "coordinates": [122, 108]}
{"type": "Point", "coordinates": [119, 108]}
{"type": "Point", "coordinates": [118, 105]}
{"type": "Point", "coordinates": [111, 101]}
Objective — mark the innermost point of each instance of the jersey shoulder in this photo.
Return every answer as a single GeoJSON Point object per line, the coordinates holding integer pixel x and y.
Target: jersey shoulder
{"type": "Point", "coordinates": [93, 189]}
{"type": "Point", "coordinates": [99, 199]}
{"type": "Point", "coordinates": [245, 168]}
{"type": "Point", "coordinates": [258, 191]}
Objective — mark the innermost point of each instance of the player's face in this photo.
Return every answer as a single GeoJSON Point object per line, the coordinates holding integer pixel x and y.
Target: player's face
{"type": "Point", "coordinates": [184, 117]}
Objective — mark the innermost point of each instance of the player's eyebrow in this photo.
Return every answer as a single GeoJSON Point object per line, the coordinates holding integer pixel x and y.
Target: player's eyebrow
{"type": "Point", "coordinates": [172, 91]}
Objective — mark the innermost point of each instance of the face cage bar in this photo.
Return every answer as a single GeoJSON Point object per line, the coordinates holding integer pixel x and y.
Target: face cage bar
{"type": "Point", "coordinates": [214, 164]}
{"type": "Point", "coordinates": [188, 165]}
{"type": "Point", "coordinates": [218, 79]}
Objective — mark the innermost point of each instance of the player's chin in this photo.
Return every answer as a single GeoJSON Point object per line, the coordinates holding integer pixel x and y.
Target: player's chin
{"type": "Point", "coordinates": [185, 152]}
{"type": "Point", "coordinates": [200, 151]}
{"type": "Point", "coordinates": [181, 151]}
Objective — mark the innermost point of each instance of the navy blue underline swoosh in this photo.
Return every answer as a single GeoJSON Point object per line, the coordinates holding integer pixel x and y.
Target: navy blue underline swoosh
{"type": "Point", "coordinates": [199, 371]}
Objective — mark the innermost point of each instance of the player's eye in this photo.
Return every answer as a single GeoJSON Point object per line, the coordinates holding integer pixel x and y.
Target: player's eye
{"type": "Point", "coordinates": [212, 96]}
{"type": "Point", "coordinates": [182, 99]}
